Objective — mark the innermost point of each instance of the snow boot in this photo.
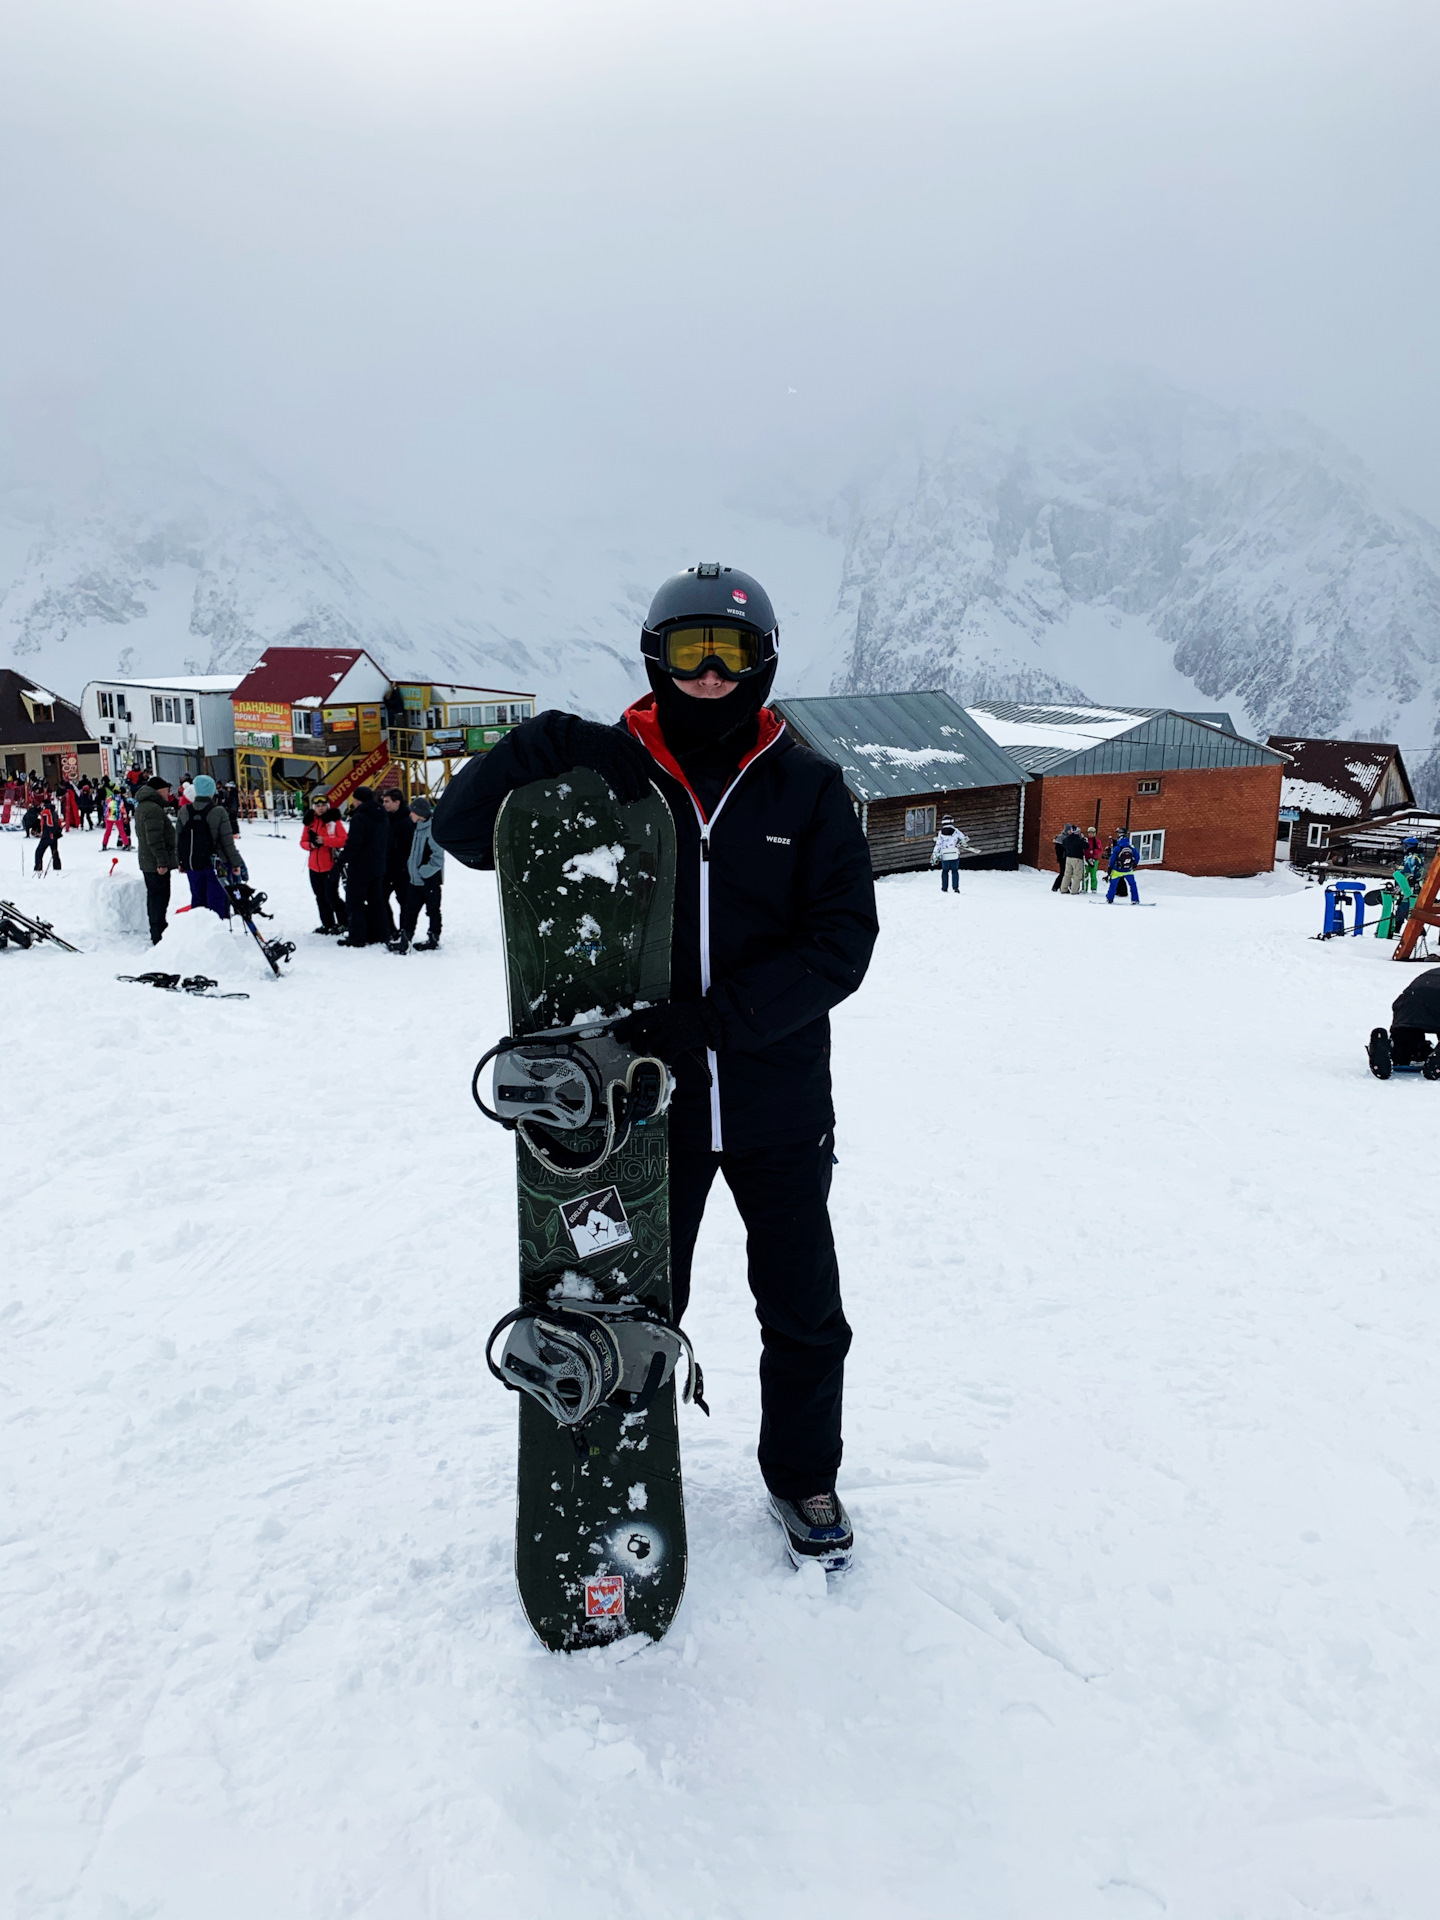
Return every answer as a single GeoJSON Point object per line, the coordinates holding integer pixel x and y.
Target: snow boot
{"type": "Point", "coordinates": [400, 944]}
{"type": "Point", "coordinates": [816, 1529]}
{"type": "Point", "coordinates": [1378, 1052]}
{"type": "Point", "coordinates": [427, 946]}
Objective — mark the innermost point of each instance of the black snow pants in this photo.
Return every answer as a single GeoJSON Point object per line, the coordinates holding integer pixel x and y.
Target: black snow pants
{"type": "Point", "coordinates": [49, 843]}
{"type": "Point", "coordinates": [157, 904]}
{"type": "Point", "coordinates": [426, 895]}
{"type": "Point", "coordinates": [781, 1195]}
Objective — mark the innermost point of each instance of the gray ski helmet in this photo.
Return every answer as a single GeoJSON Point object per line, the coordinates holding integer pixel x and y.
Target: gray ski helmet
{"type": "Point", "coordinates": [712, 595]}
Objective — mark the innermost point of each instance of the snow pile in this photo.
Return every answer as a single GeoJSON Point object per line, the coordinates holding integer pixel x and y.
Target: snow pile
{"type": "Point", "coordinates": [199, 941]}
{"type": "Point", "coordinates": [1139, 1444]}
{"type": "Point", "coordinates": [117, 903]}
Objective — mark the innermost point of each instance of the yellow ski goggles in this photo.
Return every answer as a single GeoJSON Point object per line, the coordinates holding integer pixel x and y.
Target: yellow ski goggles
{"type": "Point", "coordinates": [734, 651]}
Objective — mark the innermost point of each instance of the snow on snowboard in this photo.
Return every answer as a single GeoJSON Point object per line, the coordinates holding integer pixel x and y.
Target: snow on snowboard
{"type": "Point", "coordinates": [587, 895]}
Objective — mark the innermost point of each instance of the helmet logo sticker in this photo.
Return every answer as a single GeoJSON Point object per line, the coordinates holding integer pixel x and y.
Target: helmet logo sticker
{"type": "Point", "coordinates": [738, 595]}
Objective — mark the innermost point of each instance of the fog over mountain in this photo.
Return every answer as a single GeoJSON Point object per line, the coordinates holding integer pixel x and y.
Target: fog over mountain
{"type": "Point", "coordinates": [1130, 543]}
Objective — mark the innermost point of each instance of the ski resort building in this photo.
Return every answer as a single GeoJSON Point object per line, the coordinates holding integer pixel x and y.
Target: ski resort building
{"type": "Point", "coordinates": [1192, 794]}
{"type": "Point", "coordinates": [332, 716]}
{"type": "Point", "coordinates": [178, 726]}
{"type": "Point", "coordinates": [908, 760]}
{"type": "Point", "coordinates": [41, 733]}
{"type": "Point", "coordinates": [1331, 784]}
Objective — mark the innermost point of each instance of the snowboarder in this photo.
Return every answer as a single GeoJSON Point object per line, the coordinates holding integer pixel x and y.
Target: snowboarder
{"type": "Point", "coordinates": [774, 925]}
{"type": "Point", "coordinates": [1414, 1015]}
{"type": "Point", "coordinates": [950, 844]}
{"type": "Point", "coordinates": [425, 875]}
{"type": "Point", "coordinates": [1123, 861]}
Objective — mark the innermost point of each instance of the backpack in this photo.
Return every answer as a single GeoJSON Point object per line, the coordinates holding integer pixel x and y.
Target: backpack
{"type": "Point", "coordinates": [197, 849]}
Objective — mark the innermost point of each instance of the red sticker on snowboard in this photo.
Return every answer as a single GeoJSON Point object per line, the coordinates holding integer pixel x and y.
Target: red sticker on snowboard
{"type": "Point", "coordinates": [605, 1597]}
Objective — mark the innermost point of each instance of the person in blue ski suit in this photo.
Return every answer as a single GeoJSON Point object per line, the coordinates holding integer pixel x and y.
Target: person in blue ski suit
{"type": "Point", "coordinates": [1123, 862]}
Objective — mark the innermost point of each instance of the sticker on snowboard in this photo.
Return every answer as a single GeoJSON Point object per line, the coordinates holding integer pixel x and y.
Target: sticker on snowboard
{"type": "Point", "coordinates": [605, 1597]}
{"type": "Point", "coordinates": [596, 1222]}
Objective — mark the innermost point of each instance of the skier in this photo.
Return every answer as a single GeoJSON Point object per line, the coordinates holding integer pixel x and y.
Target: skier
{"type": "Point", "coordinates": [1123, 860]}
{"type": "Point", "coordinates": [117, 820]}
{"type": "Point", "coordinates": [1093, 854]}
{"type": "Point", "coordinates": [49, 824]}
{"type": "Point", "coordinates": [774, 925]}
{"type": "Point", "coordinates": [424, 876]}
{"type": "Point", "coordinates": [1072, 846]}
{"type": "Point", "coordinates": [950, 844]}
{"type": "Point", "coordinates": [1414, 1015]}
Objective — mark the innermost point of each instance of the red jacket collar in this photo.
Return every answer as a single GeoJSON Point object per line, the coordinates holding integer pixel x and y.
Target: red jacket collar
{"type": "Point", "coordinates": [643, 720]}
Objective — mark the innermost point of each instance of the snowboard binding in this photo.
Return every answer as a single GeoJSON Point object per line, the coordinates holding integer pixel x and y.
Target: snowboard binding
{"type": "Point", "coordinates": [248, 906]}
{"type": "Point", "coordinates": [572, 1080]}
{"type": "Point", "coordinates": [573, 1360]}
{"type": "Point", "coordinates": [17, 924]}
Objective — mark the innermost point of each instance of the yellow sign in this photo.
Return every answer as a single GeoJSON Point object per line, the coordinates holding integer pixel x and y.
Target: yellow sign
{"type": "Point", "coordinates": [414, 699]}
{"type": "Point", "coordinates": [339, 716]}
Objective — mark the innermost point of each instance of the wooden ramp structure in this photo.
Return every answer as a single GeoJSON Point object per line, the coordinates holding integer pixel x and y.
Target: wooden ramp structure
{"type": "Point", "coordinates": [1425, 913]}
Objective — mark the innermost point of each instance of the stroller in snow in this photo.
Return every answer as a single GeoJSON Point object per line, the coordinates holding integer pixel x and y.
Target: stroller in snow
{"type": "Point", "coordinates": [1406, 1047]}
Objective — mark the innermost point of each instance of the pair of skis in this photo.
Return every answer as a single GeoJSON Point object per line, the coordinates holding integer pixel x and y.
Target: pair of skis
{"type": "Point", "coordinates": [23, 931]}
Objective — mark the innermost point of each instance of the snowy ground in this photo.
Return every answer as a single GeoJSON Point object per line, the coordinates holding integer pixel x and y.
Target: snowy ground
{"type": "Point", "coordinates": [1142, 1440]}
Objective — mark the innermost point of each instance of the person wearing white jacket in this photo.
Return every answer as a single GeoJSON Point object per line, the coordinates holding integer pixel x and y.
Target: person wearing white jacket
{"type": "Point", "coordinates": [950, 844]}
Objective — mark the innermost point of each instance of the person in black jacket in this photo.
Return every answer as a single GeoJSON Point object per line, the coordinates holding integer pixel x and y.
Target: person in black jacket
{"type": "Point", "coordinates": [774, 925]}
{"type": "Point", "coordinates": [400, 831]}
{"type": "Point", "coordinates": [364, 863]}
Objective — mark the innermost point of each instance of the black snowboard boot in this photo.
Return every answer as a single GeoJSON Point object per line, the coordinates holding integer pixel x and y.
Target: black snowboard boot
{"type": "Point", "coordinates": [816, 1529]}
{"type": "Point", "coordinates": [400, 944]}
{"type": "Point", "coordinates": [426, 946]}
{"type": "Point", "coordinates": [1378, 1051]}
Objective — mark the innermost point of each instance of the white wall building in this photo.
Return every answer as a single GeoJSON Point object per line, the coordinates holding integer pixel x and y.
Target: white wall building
{"type": "Point", "coordinates": [177, 726]}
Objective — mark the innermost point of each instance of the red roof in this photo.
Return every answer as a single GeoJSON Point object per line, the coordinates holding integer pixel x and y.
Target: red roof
{"type": "Point", "coordinates": [285, 674]}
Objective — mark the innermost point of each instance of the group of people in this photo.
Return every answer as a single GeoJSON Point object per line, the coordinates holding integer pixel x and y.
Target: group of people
{"type": "Point", "coordinates": [385, 855]}
{"type": "Point", "coordinates": [1080, 855]}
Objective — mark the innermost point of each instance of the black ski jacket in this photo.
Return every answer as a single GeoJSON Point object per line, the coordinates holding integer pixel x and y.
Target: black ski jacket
{"type": "Point", "coordinates": [785, 872]}
{"type": "Point", "coordinates": [367, 842]}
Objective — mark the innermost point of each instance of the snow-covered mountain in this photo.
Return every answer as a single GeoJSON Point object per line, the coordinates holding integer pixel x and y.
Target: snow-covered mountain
{"type": "Point", "coordinates": [1146, 545]}
{"type": "Point", "coordinates": [1140, 544]}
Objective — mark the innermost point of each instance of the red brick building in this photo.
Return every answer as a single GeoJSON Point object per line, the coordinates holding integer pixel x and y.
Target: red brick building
{"type": "Point", "coordinates": [1193, 795]}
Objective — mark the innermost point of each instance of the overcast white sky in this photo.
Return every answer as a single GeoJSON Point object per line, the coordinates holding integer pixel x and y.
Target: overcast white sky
{"type": "Point", "coordinates": [425, 248]}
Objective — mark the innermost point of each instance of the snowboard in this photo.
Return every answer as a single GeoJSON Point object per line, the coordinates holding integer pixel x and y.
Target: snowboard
{"type": "Point", "coordinates": [587, 891]}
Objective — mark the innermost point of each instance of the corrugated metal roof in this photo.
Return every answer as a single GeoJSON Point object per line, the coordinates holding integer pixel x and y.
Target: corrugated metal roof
{"type": "Point", "coordinates": [285, 675]}
{"type": "Point", "coordinates": [1340, 779]}
{"type": "Point", "coordinates": [1221, 720]}
{"type": "Point", "coordinates": [1095, 740]}
{"type": "Point", "coordinates": [892, 745]}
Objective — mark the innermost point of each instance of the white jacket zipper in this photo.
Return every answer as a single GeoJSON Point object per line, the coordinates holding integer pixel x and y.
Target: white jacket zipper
{"type": "Point", "coordinates": [717, 1139]}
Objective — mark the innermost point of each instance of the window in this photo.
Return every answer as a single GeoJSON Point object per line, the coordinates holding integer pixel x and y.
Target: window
{"type": "Point", "coordinates": [157, 707]}
{"type": "Point", "coordinates": [107, 706]}
{"type": "Point", "coordinates": [1317, 835]}
{"type": "Point", "coordinates": [919, 823]}
{"type": "Point", "coordinates": [122, 712]}
{"type": "Point", "coordinates": [190, 721]}
{"type": "Point", "coordinates": [1148, 786]}
{"type": "Point", "coordinates": [1149, 846]}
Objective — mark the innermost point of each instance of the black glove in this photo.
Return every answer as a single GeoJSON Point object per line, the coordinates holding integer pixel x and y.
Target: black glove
{"type": "Point", "coordinates": [618, 757]}
{"type": "Point", "coordinates": [677, 1027]}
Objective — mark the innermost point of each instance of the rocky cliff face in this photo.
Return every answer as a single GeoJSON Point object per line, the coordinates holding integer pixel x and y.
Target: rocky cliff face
{"type": "Point", "coordinates": [1138, 547]}
{"type": "Point", "coordinates": [1141, 545]}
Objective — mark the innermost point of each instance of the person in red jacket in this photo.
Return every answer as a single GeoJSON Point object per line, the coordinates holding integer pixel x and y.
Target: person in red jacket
{"type": "Point", "coordinates": [322, 835]}
{"type": "Point", "coordinates": [51, 829]}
